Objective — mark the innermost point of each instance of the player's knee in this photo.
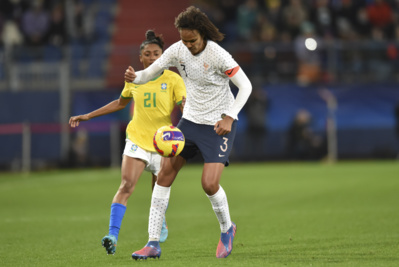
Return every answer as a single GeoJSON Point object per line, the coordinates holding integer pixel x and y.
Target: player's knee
{"type": "Point", "coordinates": [210, 188]}
{"type": "Point", "coordinates": [126, 186]}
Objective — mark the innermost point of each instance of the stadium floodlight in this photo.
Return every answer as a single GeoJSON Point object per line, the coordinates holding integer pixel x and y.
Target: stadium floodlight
{"type": "Point", "coordinates": [310, 44]}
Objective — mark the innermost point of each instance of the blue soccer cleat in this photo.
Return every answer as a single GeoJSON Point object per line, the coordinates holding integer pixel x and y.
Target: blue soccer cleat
{"type": "Point", "coordinates": [109, 242]}
{"type": "Point", "coordinates": [225, 245]}
{"type": "Point", "coordinates": [151, 250]}
{"type": "Point", "coordinates": [164, 231]}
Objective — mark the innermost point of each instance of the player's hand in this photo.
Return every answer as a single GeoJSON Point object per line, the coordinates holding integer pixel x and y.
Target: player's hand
{"type": "Point", "coordinates": [75, 120]}
{"type": "Point", "coordinates": [223, 126]}
{"type": "Point", "coordinates": [130, 74]}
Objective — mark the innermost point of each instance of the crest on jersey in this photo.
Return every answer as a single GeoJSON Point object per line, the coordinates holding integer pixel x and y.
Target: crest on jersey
{"type": "Point", "coordinates": [164, 86]}
{"type": "Point", "coordinates": [206, 66]}
{"type": "Point", "coordinates": [134, 147]}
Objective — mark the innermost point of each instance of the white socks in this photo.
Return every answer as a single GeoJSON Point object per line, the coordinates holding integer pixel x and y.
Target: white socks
{"type": "Point", "coordinates": [221, 208]}
{"type": "Point", "coordinates": [159, 203]}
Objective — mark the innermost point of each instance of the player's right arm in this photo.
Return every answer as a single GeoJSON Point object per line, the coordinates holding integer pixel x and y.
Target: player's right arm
{"type": "Point", "coordinates": [111, 107]}
{"type": "Point", "coordinates": [142, 76]}
{"type": "Point", "coordinates": [155, 69]}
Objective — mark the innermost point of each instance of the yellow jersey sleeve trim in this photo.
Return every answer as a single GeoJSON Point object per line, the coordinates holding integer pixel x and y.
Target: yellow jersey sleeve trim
{"type": "Point", "coordinates": [129, 97]}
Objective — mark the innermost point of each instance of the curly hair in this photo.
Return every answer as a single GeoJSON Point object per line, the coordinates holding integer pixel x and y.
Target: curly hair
{"type": "Point", "coordinates": [194, 19]}
{"type": "Point", "coordinates": [151, 38]}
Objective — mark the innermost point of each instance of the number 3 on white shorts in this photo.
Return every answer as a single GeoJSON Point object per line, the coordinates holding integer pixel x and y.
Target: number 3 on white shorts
{"type": "Point", "coordinates": [224, 148]}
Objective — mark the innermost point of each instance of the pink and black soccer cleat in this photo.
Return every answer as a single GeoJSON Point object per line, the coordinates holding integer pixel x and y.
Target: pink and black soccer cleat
{"type": "Point", "coordinates": [225, 245]}
{"type": "Point", "coordinates": [151, 250]}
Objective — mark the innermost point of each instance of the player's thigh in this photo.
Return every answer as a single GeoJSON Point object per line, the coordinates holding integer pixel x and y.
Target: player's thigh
{"type": "Point", "coordinates": [216, 148]}
{"type": "Point", "coordinates": [170, 167]}
{"type": "Point", "coordinates": [190, 131]}
{"type": "Point", "coordinates": [132, 168]}
{"type": "Point", "coordinates": [135, 159]}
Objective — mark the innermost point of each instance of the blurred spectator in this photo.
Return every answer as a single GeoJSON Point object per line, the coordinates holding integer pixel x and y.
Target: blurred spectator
{"type": "Point", "coordinates": [256, 112]}
{"type": "Point", "coordinates": [80, 20]}
{"type": "Point", "coordinates": [228, 26]}
{"type": "Point", "coordinates": [393, 52]}
{"type": "Point", "coordinates": [267, 31]}
{"type": "Point", "coordinates": [303, 143]}
{"type": "Point", "coordinates": [273, 12]}
{"type": "Point", "coordinates": [363, 23]}
{"type": "Point", "coordinates": [2, 22]}
{"type": "Point", "coordinates": [247, 15]}
{"type": "Point", "coordinates": [11, 34]}
{"type": "Point", "coordinates": [35, 23]}
{"type": "Point", "coordinates": [380, 16]}
{"type": "Point", "coordinates": [57, 34]}
{"type": "Point", "coordinates": [347, 22]}
{"type": "Point", "coordinates": [286, 61]}
{"type": "Point", "coordinates": [13, 9]}
{"type": "Point", "coordinates": [307, 51]}
{"type": "Point", "coordinates": [323, 17]}
{"type": "Point", "coordinates": [378, 57]}
{"type": "Point", "coordinates": [293, 15]}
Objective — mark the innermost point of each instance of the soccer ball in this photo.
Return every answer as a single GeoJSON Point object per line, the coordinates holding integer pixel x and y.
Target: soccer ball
{"type": "Point", "coordinates": [168, 141]}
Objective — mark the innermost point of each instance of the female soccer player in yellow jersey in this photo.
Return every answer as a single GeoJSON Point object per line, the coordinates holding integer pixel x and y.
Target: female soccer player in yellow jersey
{"type": "Point", "coordinates": [154, 103]}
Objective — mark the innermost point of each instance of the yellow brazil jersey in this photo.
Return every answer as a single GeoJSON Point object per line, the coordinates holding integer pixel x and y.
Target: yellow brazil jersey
{"type": "Point", "coordinates": [153, 104]}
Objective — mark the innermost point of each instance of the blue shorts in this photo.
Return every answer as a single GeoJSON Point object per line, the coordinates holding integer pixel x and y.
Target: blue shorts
{"type": "Point", "coordinates": [203, 138]}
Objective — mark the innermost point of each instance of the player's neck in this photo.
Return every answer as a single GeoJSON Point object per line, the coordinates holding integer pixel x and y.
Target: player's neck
{"type": "Point", "coordinates": [203, 48]}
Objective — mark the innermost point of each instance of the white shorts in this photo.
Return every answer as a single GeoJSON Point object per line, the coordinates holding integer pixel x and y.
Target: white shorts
{"type": "Point", "coordinates": [151, 159]}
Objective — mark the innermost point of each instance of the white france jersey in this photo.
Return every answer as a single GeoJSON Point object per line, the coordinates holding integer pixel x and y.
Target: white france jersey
{"type": "Point", "coordinates": [208, 91]}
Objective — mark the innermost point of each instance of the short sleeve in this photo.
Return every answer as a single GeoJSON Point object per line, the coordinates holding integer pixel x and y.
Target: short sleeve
{"type": "Point", "coordinates": [179, 90]}
{"type": "Point", "coordinates": [127, 90]}
{"type": "Point", "coordinates": [225, 60]}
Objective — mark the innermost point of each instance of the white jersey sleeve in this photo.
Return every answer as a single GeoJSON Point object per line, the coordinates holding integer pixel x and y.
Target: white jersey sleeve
{"type": "Point", "coordinates": [169, 58]}
{"type": "Point", "coordinates": [166, 60]}
{"type": "Point", "coordinates": [244, 90]}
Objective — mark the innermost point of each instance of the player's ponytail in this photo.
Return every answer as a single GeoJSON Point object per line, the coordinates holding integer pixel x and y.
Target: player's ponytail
{"type": "Point", "coordinates": [152, 38]}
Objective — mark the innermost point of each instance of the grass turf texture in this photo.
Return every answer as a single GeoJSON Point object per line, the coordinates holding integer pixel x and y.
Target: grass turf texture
{"type": "Point", "coordinates": [287, 214]}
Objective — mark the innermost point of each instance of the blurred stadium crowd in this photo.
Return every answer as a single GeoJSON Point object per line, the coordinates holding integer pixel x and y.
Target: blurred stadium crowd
{"type": "Point", "coordinates": [285, 20]}
{"type": "Point", "coordinates": [51, 22]}
{"type": "Point", "coordinates": [40, 22]}
{"type": "Point", "coordinates": [51, 31]}
{"type": "Point", "coordinates": [279, 40]}
{"type": "Point", "coordinates": [358, 36]}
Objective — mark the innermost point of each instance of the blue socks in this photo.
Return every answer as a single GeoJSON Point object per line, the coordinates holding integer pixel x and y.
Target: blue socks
{"type": "Point", "coordinates": [115, 220]}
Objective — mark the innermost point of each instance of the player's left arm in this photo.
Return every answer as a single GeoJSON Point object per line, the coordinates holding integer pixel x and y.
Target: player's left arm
{"type": "Point", "coordinates": [240, 79]}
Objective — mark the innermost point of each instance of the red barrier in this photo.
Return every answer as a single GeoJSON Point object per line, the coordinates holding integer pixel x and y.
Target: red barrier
{"type": "Point", "coordinates": [12, 128]}
{"type": "Point", "coordinates": [46, 128]}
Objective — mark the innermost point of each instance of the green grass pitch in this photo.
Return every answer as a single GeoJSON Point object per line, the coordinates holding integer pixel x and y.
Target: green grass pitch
{"type": "Point", "coordinates": [287, 214]}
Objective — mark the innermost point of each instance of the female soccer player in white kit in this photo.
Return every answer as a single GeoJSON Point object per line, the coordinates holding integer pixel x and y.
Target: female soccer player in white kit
{"type": "Point", "coordinates": [208, 122]}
